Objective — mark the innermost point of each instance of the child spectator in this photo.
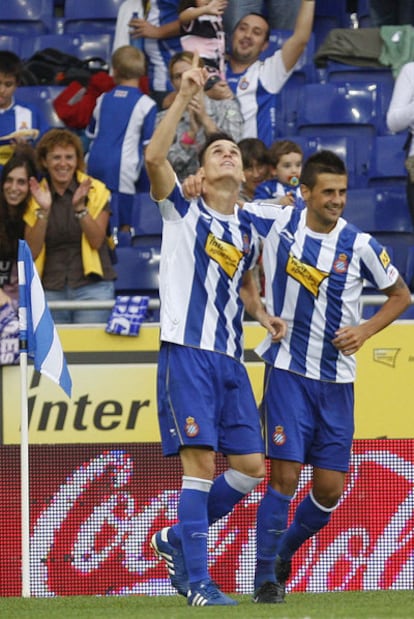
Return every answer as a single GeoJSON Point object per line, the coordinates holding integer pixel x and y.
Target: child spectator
{"type": "Point", "coordinates": [285, 164]}
{"type": "Point", "coordinates": [18, 122]}
{"type": "Point", "coordinates": [121, 126]}
{"type": "Point", "coordinates": [202, 30]}
{"type": "Point", "coordinates": [215, 109]}
{"type": "Point", "coordinates": [255, 166]}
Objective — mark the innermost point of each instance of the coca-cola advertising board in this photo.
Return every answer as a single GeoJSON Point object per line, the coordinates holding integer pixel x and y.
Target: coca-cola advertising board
{"type": "Point", "coordinates": [93, 510]}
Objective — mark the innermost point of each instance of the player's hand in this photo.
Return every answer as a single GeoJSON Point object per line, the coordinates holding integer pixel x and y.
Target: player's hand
{"type": "Point", "coordinates": [350, 339]}
{"type": "Point", "coordinates": [192, 185]}
{"type": "Point", "coordinates": [193, 80]}
{"type": "Point", "coordinates": [277, 327]}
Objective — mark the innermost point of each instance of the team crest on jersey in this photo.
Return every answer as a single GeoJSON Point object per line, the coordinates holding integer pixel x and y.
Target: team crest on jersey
{"type": "Point", "coordinates": [279, 436]}
{"type": "Point", "coordinates": [310, 277]}
{"type": "Point", "coordinates": [341, 264]}
{"type": "Point", "coordinates": [225, 254]}
{"type": "Point", "coordinates": [191, 427]}
{"type": "Point", "coordinates": [385, 259]}
{"type": "Point", "coordinates": [244, 84]}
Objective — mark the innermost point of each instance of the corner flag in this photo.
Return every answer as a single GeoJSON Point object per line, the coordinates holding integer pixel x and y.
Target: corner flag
{"type": "Point", "coordinates": [38, 333]}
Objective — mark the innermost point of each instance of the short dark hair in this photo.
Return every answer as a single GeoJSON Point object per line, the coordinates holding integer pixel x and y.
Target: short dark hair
{"type": "Point", "coordinates": [322, 162]}
{"type": "Point", "coordinates": [253, 149]}
{"type": "Point", "coordinates": [214, 137]}
{"type": "Point", "coordinates": [10, 64]}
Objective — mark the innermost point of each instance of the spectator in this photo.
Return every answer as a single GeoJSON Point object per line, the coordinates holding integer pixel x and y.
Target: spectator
{"type": "Point", "coordinates": [280, 14]}
{"type": "Point", "coordinates": [400, 117]}
{"type": "Point", "coordinates": [122, 124]}
{"type": "Point", "coordinates": [123, 31]}
{"type": "Point", "coordinates": [66, 225]}
{"type": "Point", "coordinates": [285, 159]}
{"type": "Point", "coordinates": [214, 110]}
{"type": "Point", "coordinates": [14, 198]}
{"type": "Point", "coordinates": [255, 158]}
{"type": "Point", "coordinates": [391, 13]}
{"type": "Point", "coordinates": [161, 31]}
{"type": "Point", "coordinates": [18, 122]}
{"type": "Point", "coordinates": [202, 30]}
{"type": "Point", "coordinates": [255, 82]}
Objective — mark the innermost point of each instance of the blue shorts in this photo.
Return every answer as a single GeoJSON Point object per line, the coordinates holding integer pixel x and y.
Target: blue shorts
{"type": "Point", "coordinates": [308, 421]}
{"type": "Point", "coordinates": [205, 398]}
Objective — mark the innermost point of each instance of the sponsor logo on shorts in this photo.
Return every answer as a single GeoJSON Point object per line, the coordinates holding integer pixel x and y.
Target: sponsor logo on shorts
{"type": "Point", "coordinates": [191, 427]}
{"type": "Point", "coordinates": [279, 436]}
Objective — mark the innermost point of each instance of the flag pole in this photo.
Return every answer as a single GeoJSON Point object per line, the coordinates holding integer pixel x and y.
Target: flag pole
{"type": "Point", "coordinates": [24, 441]}
{"type": "Point", "coordinates": [24, 476]}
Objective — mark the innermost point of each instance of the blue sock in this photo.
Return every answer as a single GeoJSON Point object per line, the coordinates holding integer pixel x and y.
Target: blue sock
{"type": "Point", "coordinates": [272, 518]}
{"type": "Point", "coordinates": [222, 499]}
{"type": "Point", "coordinates": [193, 527]}
{"type": "Point", "coordinates": [310, 517]}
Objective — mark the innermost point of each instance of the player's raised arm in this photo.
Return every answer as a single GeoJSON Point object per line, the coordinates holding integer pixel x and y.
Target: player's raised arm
{"type": "Point", "coordinates": [160, 171]}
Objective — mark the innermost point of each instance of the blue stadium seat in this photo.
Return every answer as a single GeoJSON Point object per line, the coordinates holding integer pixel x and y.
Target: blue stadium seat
{"type": "Point", "coordinates": [43, 97]}
{"type": "Point", "coordinates": [137, 271]}
{"type": "Point", "coordinates": [81, 45]}
{"type": "Point", "coordinates": [91, 15]}
{"type": "Point", "coordinates": [387, 163]}
{"type": "Point", "coordinates": [28, 17]}
{"type": "Point", "coordinates": [363, 14]}
{"type": "Point", "coordinates": [146, 217]}
{"type": "Point", "coordinates": [346, 109]}
{"type": "Point", "coordinates": [377, 210]}
{"type": "Point", "coordinates": [329, 15]}
{"type": "Point", "coordinates": [12, 43]}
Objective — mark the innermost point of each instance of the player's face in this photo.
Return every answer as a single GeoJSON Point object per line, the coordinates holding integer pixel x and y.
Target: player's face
{"type": "Point", "coordinates": [249, 38]}
{"type": "Point", "coordinates": [16, 186]}
{"type": "Point", "coordinates": [325, 201]}
{"type": "Point", "coordinates": [288, 167]}
{"type": "Point", "coordinates": [61, 163]}
{"type": "Point", "coordinates": [223, 159]}
{"type": "Point", "coordinates": [8, 85]}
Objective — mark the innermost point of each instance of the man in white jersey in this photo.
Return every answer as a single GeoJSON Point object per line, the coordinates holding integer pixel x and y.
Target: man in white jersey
{"type": "Point", "coordinates": [256, 82]}
{"type": "Point", "coordinates": [315, 264]}
{"type": "Point", "coordinates": [205, 401]}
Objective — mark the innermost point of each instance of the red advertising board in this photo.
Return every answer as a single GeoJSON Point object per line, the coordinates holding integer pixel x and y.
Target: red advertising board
{"type": "Point", "coordinates": [93, 509]}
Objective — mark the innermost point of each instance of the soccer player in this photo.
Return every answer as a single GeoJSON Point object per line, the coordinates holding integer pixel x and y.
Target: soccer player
{"type": "Point", "coordinates": [205, 401]}
{"type": "Point", "coordinates": [256, 82]}
{"type": "Point", "coordinates": [315, 264]}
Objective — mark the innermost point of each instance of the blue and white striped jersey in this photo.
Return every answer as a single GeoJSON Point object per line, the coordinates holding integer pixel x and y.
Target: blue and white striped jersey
{"type": "Point", "coordinates": [256, 89]}
{"type": "Point", "coordinates": [160, 51]}
{"type": "Point", "coordinates": [122, 124]}
{"type": "Point", "coordinates": [203, 258]}
{"type": "Point", "coordinates": [314, 281]}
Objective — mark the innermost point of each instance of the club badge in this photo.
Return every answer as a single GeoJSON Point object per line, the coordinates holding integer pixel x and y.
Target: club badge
{"type": "Point", "coordinates": [191, 427]}
{"type": "Point", "coordinates": [279, 436]}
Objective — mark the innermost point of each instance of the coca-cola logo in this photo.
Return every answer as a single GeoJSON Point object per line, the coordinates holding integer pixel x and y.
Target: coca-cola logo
{"type": "Point", "coordinates": [93, 536]}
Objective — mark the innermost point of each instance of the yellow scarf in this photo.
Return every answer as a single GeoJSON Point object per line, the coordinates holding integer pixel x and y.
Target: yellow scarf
{"type": "Point", "coordinates": [98, 198]}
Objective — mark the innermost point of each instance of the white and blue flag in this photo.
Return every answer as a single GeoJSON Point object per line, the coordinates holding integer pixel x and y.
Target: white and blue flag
{"type": "Point", "coordinates": [38, 333]}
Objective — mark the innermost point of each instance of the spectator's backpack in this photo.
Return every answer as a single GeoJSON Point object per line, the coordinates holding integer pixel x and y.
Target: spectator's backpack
{"type": "Point", "coordinates": [51, 66]}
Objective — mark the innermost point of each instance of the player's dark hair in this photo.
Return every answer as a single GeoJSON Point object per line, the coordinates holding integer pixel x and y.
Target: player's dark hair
{"type": "Point", "coordinates": [322, 162]}
{"type": "Point", "coordinates": [213, 137]}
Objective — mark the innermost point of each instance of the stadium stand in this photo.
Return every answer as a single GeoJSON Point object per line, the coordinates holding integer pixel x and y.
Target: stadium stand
{"type": "Point", "coordinates": [43, 97]}
{"type": "Point", "coordinates": [11, 43]}
{"type": "Point", "coordinates": [84, 46]}
{"type": "Point", "coordinates": [26, 18]}
{"type": "Point", "coordinates": [387, 162]}
{"type": "Point", "coordinates": [91, 16]}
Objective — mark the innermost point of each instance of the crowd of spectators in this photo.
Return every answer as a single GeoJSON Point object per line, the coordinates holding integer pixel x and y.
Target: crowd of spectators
{"type": "Point", "coordinates": [120, 109]}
